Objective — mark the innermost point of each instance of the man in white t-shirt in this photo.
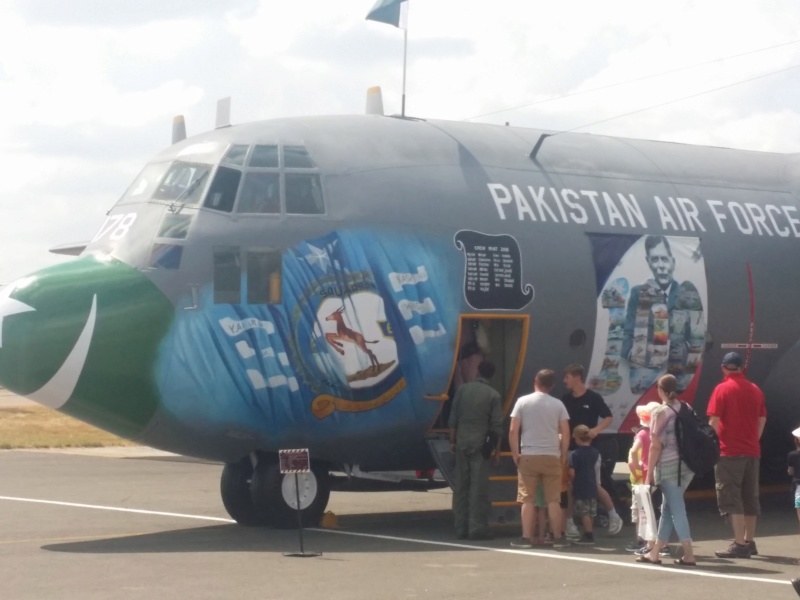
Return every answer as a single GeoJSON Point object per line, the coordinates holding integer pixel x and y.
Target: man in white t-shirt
{"type": "Point", "coordinates": [539, 438]}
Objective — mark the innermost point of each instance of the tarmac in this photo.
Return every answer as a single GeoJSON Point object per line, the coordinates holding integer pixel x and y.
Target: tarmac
{"type": "Point", "coordinates": [132, 523]}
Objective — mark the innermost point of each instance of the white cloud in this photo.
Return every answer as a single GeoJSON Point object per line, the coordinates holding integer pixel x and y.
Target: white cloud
{"type": "Point", "coordinates": [89, 91]}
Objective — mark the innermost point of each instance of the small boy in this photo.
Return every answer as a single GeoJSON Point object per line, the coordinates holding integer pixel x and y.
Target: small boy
{"type": "Point", "coordinates": [584, 470]}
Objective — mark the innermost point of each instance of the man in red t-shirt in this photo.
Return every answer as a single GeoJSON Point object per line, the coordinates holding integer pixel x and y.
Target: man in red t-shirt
{"type": "Point", "coordinates": [737, 413]}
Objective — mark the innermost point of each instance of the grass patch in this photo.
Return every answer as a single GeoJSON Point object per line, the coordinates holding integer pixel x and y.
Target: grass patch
{"type": "Point", "coordinates": [42, 427]}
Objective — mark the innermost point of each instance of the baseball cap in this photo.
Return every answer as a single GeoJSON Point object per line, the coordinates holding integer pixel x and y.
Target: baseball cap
{"type": "Point", "coordinates": [581, 432]}
{"type": "Point", "coordinates": [796, 433]}
{"type": "Point", "coordinates": [732, 359]}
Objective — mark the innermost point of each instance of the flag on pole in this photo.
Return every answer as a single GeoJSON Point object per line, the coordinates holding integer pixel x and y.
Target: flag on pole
{"type": "Point", "coordinates": [391, 12]}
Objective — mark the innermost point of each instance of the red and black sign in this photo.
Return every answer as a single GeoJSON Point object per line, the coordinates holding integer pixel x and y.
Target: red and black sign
{"type": "Point", "coordinates": [294, 461]}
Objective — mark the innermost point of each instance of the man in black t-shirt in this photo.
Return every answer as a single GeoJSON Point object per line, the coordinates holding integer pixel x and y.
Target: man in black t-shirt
{"type": "Point", "coordinates": [587, 407]}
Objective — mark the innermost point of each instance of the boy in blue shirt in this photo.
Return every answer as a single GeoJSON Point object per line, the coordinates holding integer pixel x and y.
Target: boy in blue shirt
{"type": "Point", "coordinates": [584, 472]}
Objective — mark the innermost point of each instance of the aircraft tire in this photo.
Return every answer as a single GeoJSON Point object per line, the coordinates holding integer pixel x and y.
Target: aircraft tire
{"type": "Point", "coordinates": [235, 491]}
{"type": "Point", "coordinates": [273, 494]}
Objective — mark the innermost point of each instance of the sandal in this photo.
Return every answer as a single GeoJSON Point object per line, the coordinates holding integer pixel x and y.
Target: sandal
{"type": "Point", "coordinates": [684, 563]}
{"type": "Point", "coordinates": [646, 560]}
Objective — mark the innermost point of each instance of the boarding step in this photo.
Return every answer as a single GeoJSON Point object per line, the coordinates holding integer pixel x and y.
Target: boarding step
{"type": "Point", "coordinates": [502, 479]}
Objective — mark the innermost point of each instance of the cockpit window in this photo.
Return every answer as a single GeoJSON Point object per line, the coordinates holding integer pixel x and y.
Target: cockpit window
{"type": "Point", "coordinates": [264, 157]}
{"type": "Point", "coordinates": [143, 186]}
{"type": "Point", "coordinates": [184, 183]}
{"type": "Point", "coordinates": [303, 194]}
{"type": "Point", "coordinates": [261, 193]}
{"type": "Point", "coordinates": [222, 193]}
{"type": "Point", "coordinates": [236, 155]}
{"type": "Point", "coordinates": [297, 157]}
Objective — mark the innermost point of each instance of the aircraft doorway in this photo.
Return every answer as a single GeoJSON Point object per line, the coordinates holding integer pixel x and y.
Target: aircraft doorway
{"type": "Point", "coordinates": [500, 339]}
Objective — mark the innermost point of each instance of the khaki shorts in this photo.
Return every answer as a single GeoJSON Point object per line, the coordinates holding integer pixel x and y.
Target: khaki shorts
{"type": "Point", "coordinates": [737, 485]}
{"type": "Point", "coordinates": [533, 470]}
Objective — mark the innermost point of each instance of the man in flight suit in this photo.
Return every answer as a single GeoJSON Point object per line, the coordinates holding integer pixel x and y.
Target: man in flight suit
{"type": "Point", "coordinates": [476, 412]}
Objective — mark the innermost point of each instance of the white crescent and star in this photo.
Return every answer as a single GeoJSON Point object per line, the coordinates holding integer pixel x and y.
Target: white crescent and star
{"type": "Point", "coordinates": [9, 307]}
{"type": "Point", "coordinates": [59, 389]}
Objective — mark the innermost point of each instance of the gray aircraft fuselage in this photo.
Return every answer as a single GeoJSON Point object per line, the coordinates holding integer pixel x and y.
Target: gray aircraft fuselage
{"type": "Point", "coordinates": [322, 306]}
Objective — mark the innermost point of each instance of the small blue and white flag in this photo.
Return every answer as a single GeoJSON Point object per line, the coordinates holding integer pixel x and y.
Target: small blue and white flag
{"type": "Point", "coordinates": [392, 12]}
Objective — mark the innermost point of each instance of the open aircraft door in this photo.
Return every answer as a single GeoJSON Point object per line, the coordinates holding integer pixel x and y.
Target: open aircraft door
{"type": "Point", "coordinates": [502, 339]}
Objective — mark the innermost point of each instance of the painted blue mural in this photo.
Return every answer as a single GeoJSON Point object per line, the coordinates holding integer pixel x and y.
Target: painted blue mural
{"type": "Point", "coordinates": [365, 329]}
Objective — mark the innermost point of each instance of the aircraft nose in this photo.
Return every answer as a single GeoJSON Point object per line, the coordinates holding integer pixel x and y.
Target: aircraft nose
{"type": "Point", "coordinates": [83, 337]}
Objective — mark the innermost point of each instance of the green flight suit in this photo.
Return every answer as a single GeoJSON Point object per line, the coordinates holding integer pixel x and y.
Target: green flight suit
{"type": "Point", "coordinates": [477, 409]}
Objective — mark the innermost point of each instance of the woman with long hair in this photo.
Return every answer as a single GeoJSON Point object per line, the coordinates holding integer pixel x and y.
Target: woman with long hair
{"type": "Point", "coordinates": [670, 473]}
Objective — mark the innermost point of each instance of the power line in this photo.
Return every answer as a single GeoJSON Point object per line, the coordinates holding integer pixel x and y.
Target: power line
{"type": "Point", "coordinates": [716, 89]}
{"type": "Point", "coordinates": [644, 77]}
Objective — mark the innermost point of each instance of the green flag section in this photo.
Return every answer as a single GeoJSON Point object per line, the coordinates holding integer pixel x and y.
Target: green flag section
{"type": "Point", "coordinates": [387, 11]}
{"type": "Point", "coordinates": [83, 337]}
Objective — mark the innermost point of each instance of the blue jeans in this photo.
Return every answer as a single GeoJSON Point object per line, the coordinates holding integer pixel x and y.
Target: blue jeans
{"type": "Point", "coordinates": [673, 510]}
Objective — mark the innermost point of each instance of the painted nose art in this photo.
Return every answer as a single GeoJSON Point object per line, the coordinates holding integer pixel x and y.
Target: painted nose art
{"type": "Point", "coordinates": [58, 390]}
{"type": "Point", "coordinates": [9, 306]}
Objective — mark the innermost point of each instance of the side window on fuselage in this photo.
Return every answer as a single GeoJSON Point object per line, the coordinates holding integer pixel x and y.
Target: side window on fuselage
{"type": "Point", "coordinates": [263, 277]}
{"type": "Point", "coordinates": [227, 275]}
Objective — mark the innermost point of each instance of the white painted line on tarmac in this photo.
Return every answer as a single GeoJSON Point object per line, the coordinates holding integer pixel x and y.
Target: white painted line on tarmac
{"type": "Point", "coordinates": [118, 509]}
{"type": "Point", "coordinates": [559, 556]}
{"type": "Point", "coordinates": [530, 553]}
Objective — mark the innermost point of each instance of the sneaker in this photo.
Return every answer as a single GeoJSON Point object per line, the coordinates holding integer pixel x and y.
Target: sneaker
{"type": "Point", "coordinates": [634, 546]}
{"type": "Point", "coordinates": [614, 524]}
{"type": "Point", "coordinates": [753, 549]}
{"type": "Point", "coordinates": [665, 551]}
{"type": "Point", "coordinates": [522, 543]}
{"type": "Point", "coordinates": [572, 530]}
{"type": "Point", "coordinates": [561, 543]}
{"type": "Point", "coordinates": [587, 539]}
{"type": "Point", "coordinates": [735, 551]}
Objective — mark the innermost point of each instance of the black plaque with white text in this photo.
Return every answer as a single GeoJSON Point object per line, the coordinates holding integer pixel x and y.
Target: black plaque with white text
{"type": "Point", "coordinates": [492, 271]}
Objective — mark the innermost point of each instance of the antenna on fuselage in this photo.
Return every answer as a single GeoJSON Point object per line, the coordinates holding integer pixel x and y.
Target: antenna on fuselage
{"type": "Point", "coordinates": [223, 113]}
{"type": "Point", "coordinates": [178, 129]}
{"type": "Point", "coordinates": [375, 101]}
{"type": "Point", "coordinates": [538, 145]}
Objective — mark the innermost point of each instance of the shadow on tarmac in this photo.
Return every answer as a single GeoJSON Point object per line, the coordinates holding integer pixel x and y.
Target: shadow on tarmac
{"type": "Point", "coordinates": [777, 531]}
{"type": "Point", "coordinates": [430, 525]}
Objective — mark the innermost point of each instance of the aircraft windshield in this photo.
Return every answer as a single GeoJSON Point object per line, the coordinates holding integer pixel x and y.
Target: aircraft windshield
{"type": "Point", "coordinates": [184, 183]}
{"type": "Point", "coordinates": [145, 184]}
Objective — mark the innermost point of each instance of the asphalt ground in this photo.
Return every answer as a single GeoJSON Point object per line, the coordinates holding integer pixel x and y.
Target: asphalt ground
{"type": "Point", "coordinates": [106, 525]}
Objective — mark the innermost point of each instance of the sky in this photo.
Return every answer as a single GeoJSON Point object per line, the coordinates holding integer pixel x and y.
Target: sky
{"type": "Point", "coordinates": [88, 88]}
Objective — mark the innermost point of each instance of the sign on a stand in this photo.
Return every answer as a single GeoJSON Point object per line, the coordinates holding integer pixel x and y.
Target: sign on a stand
{"type": "Point", "coordinates": [294, 462]}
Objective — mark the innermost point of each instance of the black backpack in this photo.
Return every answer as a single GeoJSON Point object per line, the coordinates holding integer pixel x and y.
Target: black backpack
{"type": "Point", "coordinates": [698, 444]}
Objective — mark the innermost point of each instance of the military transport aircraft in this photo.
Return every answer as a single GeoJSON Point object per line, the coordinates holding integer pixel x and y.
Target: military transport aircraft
{"type": "Point", "coordinates": [327, 282]}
